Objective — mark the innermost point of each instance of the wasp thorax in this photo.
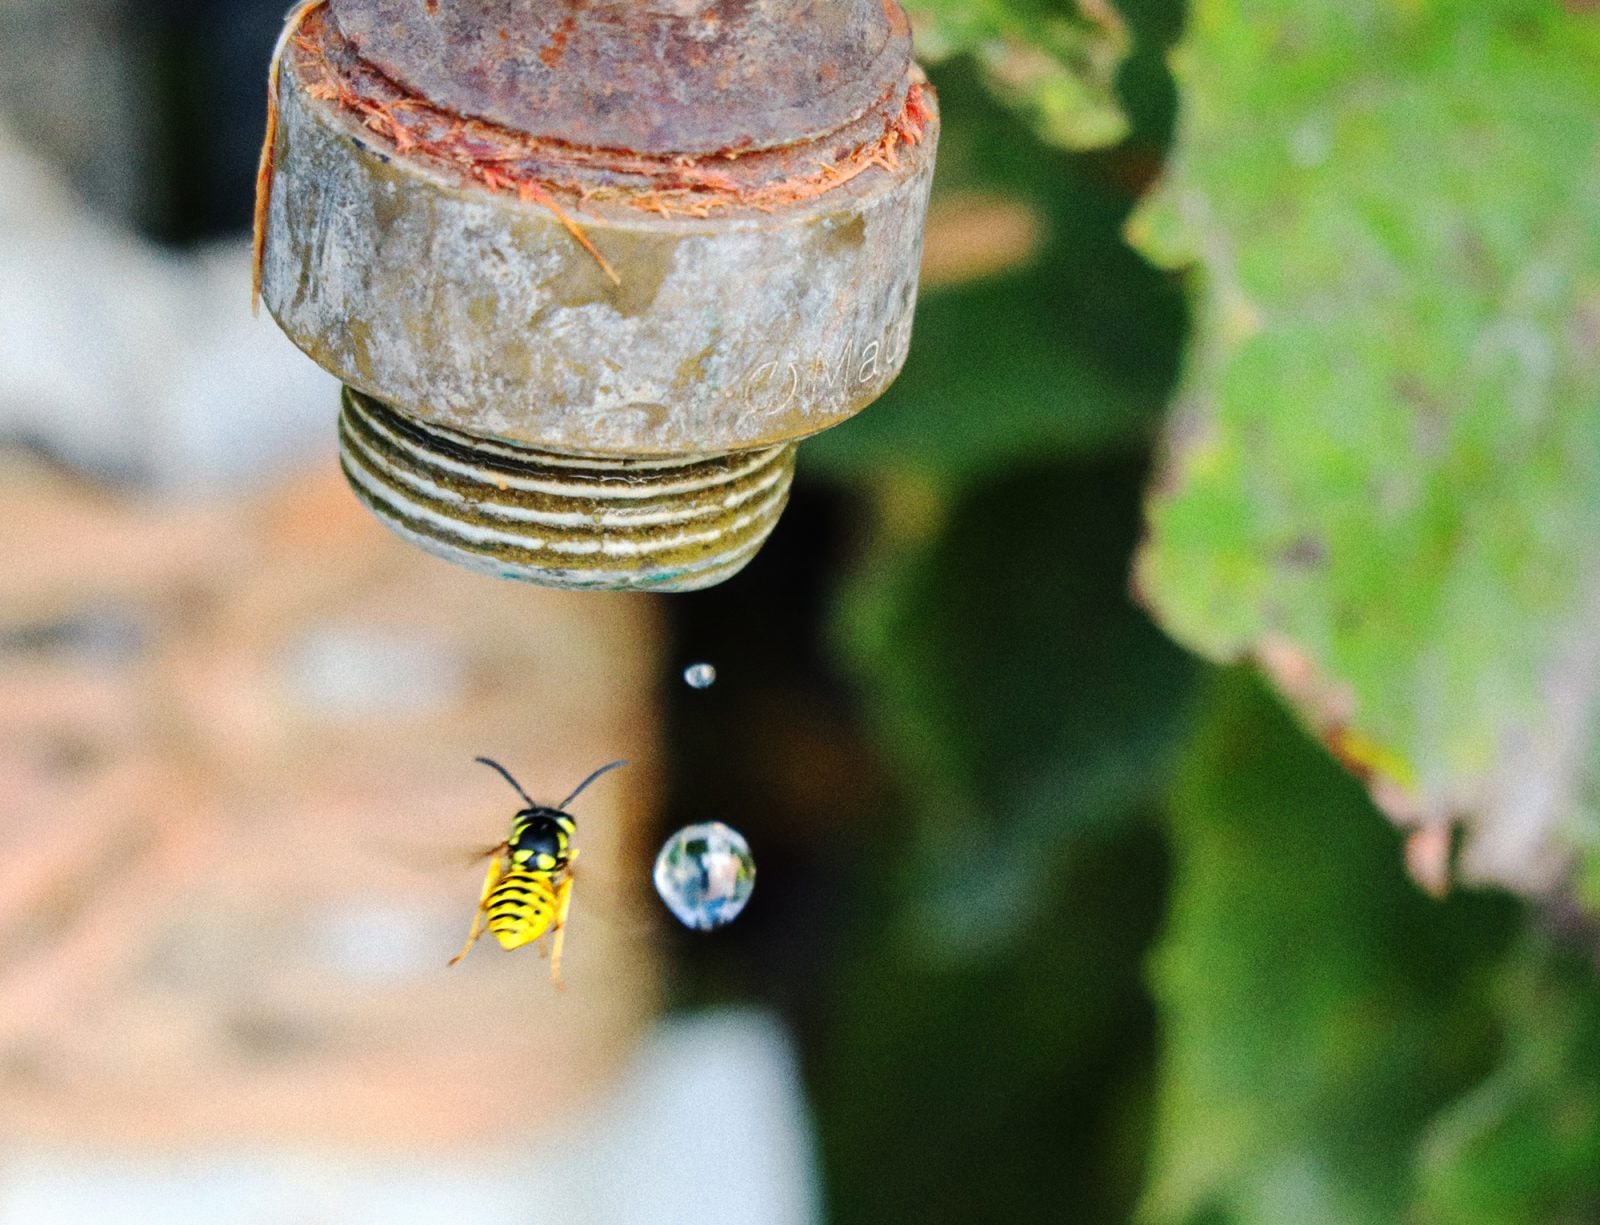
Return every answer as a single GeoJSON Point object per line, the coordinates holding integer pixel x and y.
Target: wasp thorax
{"type": "Point", "coordinates": [540, 841]}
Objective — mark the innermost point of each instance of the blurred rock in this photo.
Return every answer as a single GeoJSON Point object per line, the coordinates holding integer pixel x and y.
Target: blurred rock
{"type": "Point", "coordinates": [229, 884]}
{"type": "Point", "coordinates": [76, 82]}
{"type": "Point", "coordinates": [705, 1124]}
{"type": "Point", "coordinates": [136, 364]}
{"type": "Point", "coordinates": [353, 672]}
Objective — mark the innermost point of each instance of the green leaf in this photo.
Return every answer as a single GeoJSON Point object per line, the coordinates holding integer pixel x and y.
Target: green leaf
{"type": "Point", "coordinates": [1316, 1009]}
{"type": "Point", "coordinates": [1054, 63]}
{"type": "Point", "coordinates": [1384, 474]}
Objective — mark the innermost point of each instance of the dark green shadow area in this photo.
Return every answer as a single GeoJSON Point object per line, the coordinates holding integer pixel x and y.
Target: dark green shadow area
{"type": "Point", "coordinates": [987, 1049]}
{"type": "Point", "coordinates": [1318, 1009]}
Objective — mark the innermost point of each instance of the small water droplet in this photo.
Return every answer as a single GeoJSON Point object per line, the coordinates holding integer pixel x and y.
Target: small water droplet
{"type": "Point", "coordinates": [705, 874]}
{"type": "Point", "coordinates": [700, 676]}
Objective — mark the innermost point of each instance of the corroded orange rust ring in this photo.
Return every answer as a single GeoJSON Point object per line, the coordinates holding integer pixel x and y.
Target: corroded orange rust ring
{"type": "Point", "coordinates": [660, 77]}
{"type": "Point", "coordinates": [504, 159]}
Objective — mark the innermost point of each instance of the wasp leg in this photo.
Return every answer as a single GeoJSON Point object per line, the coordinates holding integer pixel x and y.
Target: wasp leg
{"type": "Point", "coordinates": [498, 849]}
{"type": "Point", "coordinates": [559, 927]}
{"type": "Point", "coordinates": [489, 882]}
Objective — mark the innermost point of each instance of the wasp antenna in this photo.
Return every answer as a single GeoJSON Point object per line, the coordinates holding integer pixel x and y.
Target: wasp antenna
{"type": "Point", "coordinates": [506, 774]}
{"type": "Point", "coordinates": [610, 765]}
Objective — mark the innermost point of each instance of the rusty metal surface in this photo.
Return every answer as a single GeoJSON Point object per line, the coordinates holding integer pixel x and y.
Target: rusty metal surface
{"type": "Point", "coordinates": [653, 239]}
{"type": "Point", "coordinates": [477, 310]}
{"type": "Point", "coordinates": [648, 76]}
{"type": "Point", "coordinates": [508, 159]}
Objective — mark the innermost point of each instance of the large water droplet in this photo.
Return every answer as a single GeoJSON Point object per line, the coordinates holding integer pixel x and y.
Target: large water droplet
{"type": "Point", "coordinates": [700, 676]}
{"type": "Point", "coordinates": [705, 874]}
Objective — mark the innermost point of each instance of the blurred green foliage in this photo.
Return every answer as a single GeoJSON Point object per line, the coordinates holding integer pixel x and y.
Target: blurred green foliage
{"type": "Point", "coordinates": [1319, 1010]}
{"type": "Point", "coordinates": [1079, 699]}
{"type": "Point", "coordinates": [1388, 472]}
{"type": "Point", "coordinates": [1126, 943]}
{"type": "Point", "coordinates": [1054, 63]}
{"type": "Point", "coordinates": [1009, 1087]}
{"type": "Point", "coordinates": [1524, 1145]}
{"type": "Point", "coordinates": [1073, 352]}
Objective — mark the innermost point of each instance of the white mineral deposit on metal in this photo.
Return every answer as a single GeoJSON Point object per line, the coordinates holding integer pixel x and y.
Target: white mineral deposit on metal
{"type": "Point", "coordinates": [705, 874]}
{"type": "Point", "coordinates": [700, 676]}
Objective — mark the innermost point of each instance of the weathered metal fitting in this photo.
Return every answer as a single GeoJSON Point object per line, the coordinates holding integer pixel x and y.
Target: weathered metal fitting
{"type": "Point", "coordinates": [590, 267]}
{"type": "Point", "coordinates": [571, 521]}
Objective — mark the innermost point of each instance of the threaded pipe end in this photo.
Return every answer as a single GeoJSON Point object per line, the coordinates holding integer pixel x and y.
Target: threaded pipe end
{"type": "Point", "coordinates": [675, 524]}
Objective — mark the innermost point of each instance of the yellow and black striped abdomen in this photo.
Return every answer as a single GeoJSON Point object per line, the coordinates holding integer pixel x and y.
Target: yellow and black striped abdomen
{"type": "Point", "coordinates": [520, 908]}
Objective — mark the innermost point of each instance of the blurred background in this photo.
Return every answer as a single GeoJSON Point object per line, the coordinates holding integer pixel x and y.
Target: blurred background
{"type": "Point", "coordinates": [1164, 723]}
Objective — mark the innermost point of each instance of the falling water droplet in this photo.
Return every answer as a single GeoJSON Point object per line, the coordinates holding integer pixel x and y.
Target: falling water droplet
{"type": "Point", "coordinates": [700, 676]}
{"type": "Point", "coordinates": [705, 874]}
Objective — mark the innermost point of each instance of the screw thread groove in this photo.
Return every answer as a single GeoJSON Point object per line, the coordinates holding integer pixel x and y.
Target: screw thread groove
{"type": "Point", "coordinates": [562, 520]}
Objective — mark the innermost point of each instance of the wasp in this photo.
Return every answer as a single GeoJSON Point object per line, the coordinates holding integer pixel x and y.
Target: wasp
{"type": "Point", "coordinates": [528, 890]}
